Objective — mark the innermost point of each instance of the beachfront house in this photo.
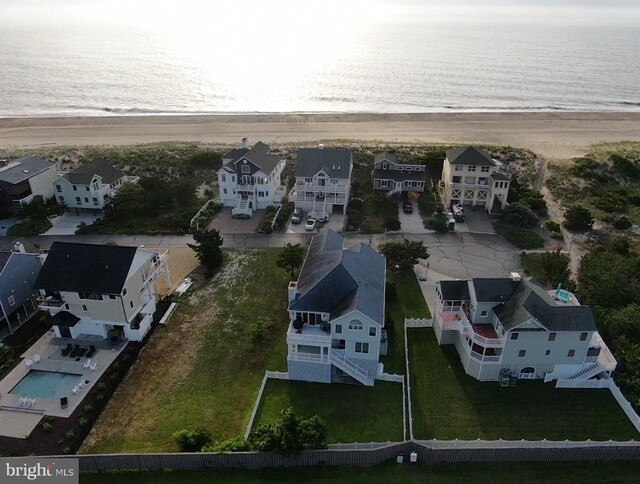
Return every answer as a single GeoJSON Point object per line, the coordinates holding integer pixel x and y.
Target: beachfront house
{"type": "Point", "coordinates": [471, 177]}
{"type": "Point", "coordinates": [323, 181]}
{"type": "Point", "coordinates": [25, 178]}
{"type": "Point", "coordinates": [251, 178]}
{"type": "Point", "coordinates": [90, 186]}
{"type": "Point", "coordinates": [18, 273]}
{"type": "Point", "coordinates": [395, 177]}
{"type": "Point", "coordinates": [504, 328]}
{"type": "Point", "coordinates": [101, 290]}
{"type": "Point", "coordinates": [336, 312]}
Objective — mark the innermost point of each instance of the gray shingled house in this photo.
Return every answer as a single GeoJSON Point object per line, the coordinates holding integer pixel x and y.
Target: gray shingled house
{"type": "Point", "coordinates": [336, 310]}
{"type": "Point", "coordinates": [514, 327]}
{"type": "Point", "coordinates": [393, 176]}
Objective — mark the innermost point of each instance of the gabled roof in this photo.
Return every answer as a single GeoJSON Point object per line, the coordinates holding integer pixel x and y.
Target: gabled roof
{"type": "Point", "coordinates": [469, 156]}
{"type": "Point", "coordinates": [494, 289]}
{"type": "Point", "coordinates": [337, 281]}
{"type": "Point", "coordinates": [64, 318]}
{"type": "Point", "coordinates": [532, 301]}
{"type": "Point", "coordinates": [400, 175]}
{"type": "Point", "coordinates": [258, 154]}
{"type": "Point", "coordinates": [86, 268]}
{"type": "Point", "coordinates": [85, 173]}
{"type": "Point", "coordinates": [455, 290]}
{"type": "Point", "coordinates": [4, 258]}
{"type": "Point", "coordinates": [335, 163]}
{"type": "Point", "coordinates": [23, 168]}
{"type": "Point", "coordinates": [500, 176]}
{"type": "Point", "coordinates": [385, 156]}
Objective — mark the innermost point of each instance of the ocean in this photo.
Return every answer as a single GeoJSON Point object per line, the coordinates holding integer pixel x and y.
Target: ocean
{"type": "Point", "coordinates": [322, 60]}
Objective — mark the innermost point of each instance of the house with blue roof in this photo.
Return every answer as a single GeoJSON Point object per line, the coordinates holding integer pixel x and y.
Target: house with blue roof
{"type": "Point", "coordinates": [336, 310]}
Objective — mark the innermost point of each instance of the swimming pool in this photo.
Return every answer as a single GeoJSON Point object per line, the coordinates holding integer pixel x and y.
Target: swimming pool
{"type": "Point", "coordinates": [46, 384]}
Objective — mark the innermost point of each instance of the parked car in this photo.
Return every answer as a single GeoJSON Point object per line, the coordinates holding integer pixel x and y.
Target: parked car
{"type": "Point", "coordinates": [310, 224]}
{"type": "Point", "coordinates": [407, 207]}
{"type": "Point", "coordinates": [296, 217]}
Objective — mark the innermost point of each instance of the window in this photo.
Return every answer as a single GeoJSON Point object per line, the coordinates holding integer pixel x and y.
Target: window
{"type": "Point", "coordinates": [485, 169]}
{"type": "Point", "coordinates": [334, 181]}
{"type": "Point", "coordinates": [571, 353]}
{"type": "Point", "coordinates": [547, 353]}
{"type": "Point", "coordinates": [522, 353]}
{"type": "Point", "coordinates": [95, 201]}
{"type": "Point", "coordinates": [61, 199]}
{"type": "Point", "coordinates": [224, 190]}
{"type": "Point", "coordinates": [11, 300]}
{"type": "Point", "coordinates": [458, 168]}
{"type": "Point", "coordinates": [261, 194]}
{"type": "Point", "coordinates": [384, 183]}
{"type": "Point", "coordinates": [338, 329]}
{"type": "Point", "coordinates": [105, 197]}
{"type": "Point", "coordinates": [112, 297]}
{"type": "Point", "coordinates": [356, 325]}
{"type": "Point", "coordinates": [308, 180]}
{"type": "Point", "coordinates": [86, 200]}
{"type": "Point", "coordinates": [86, 188]}
{"type": "Point", "coordinates": [59, 188]}
{"type": "Point", "coordinates": [362, 347]}
{"type": "Point", "coordinates": [472, 168]}
{"type": "Point", "coordinates": [75, 188]}
{"type": "Point", "coordinates": [124, 291]}
{"type": "Point", "coordinates": [514, 335]}
{"type": "Point", "coordinates": [246, 169]}
{"type": "Point", "coordinates": [233, 179]}
{"type": "Point", "coordinates": [552, 336]}
{"type": "Point", "coordinates": [84, 308]}
{"type": "Point", "coordinates": [583, 336]}
{"type": "Point", "coordinates": [131, 304]}
{"type": "Point", "coordinates": [266, 194]}
{"type": "Point", "coordinates": [223, 178]}
{"type": "Point", "coordinates": [95, 185]}
{"type": "Point", "coordinates": [483, 314]}
{"type": "Point", "coordinates": [78, 200]}
{"type": "Point", "coordinates": [372, 331]}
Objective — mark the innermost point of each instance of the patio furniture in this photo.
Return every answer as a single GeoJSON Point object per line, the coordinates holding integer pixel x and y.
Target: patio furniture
{"type": "Point", "coordinates": [94, 366]}
{"type": "Point", "coordinates": [82, 384]}
{"type": "Point", "coordinates": [75, 390]}
{"type": "Point", "coordinates": [23, 401]}
{"type": "Point", "coordinates": [36, 358]}
{"type": "Point", "coordinates": [82, 351]}
{"type": "Point", "coordinates": [74, 352]}
{"type": "Point", "coordinates": [28, 362]}
{"type": "Point", "coordinates": [87, 364]}
{"type": "Point", "coordinates": [92, 350]}
{"type": "Point", "coordinates": [64, 402]}
{"type": "Point", "coordinates": [32, 402]}
{"type": "Point", "coordinates": [67, 350]}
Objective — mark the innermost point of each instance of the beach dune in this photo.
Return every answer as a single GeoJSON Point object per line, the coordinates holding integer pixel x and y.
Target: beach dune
{"type": "Point", "coordinates": [551, 134]}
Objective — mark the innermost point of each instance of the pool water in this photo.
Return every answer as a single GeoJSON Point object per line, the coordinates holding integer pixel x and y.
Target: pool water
{"type": "Point", "coordinates": [46, 384]}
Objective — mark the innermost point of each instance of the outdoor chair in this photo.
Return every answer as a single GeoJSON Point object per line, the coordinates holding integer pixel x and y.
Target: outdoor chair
{"type": "Point", "coordinates": [92, 350]}
{"type": "Point", "coordinates": [87, 364]}
{"type": "Point", "coordinates": [36, 358]}
{"type": "Point", "coordinates": [28, 362]}
{"type": "Point", "coordinates": [75, 351]}
{"type": "Point", "coordinates": [94, 366]}
{"type": "Point", "coordinates": [67, 350]}
{"type": "Point", "coordinates": [82, 351]}
{"type": "Point", "coordinates": [75, 390]}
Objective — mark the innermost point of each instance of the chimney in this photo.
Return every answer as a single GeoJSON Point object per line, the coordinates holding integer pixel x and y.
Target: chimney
{"type": "Point", "coordinates": [293, 290]}
{"type": "Point", "coordinates": [515, 277]}
{"type": "Point", "coordinates": [245, 144]}
{"type": "Point", "coordinates": [19, 247]}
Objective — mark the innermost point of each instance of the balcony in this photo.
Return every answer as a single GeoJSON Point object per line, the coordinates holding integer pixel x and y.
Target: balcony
{"type": "Point", "coordinates": [155, 267]}
{"type": "Point", "coordinates": [310, 333]}
{"type": "Point", "coordinates": [48, 302]}
{"type": "Point", "coordinates": [312, 187]}
{"type": "Point", "coordinates": [605, 358]}
{"type": "Point", "coordinates": [455, 318]}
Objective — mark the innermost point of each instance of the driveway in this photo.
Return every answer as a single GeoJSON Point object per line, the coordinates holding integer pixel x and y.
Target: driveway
{"type": "Point", "coordinates": [335, 223]}
{"type": "Point", "coordinates": [411, 223]}
{"type": "Point", "coordinates": [476, 222]}
{"type": "Point", "coordinates": [225, 224]}
{"type": "Point", "coordinates": [68, 222]}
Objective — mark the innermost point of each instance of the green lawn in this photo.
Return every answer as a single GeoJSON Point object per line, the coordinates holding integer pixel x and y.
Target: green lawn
{"type": "Point", "coordinates": [503, 473]}
{"type": "Point", "coordinates": [521, 238]}
{"type": "Point", "coordinates": [205, 367]}
{"type": "Point", "coordinates": [409, 304]}
{"type": "Point", "coordinates": [353, 413]}
{"type": "Point", "coordinates": [448, 404]}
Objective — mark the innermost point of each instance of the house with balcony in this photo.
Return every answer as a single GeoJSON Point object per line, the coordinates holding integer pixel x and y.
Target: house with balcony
{"type": "Point", "coordinates": [101, 290]}
{"type": "Point", "coordinates": [505, 328]}
{"type": "Point", "coordinates": [18, 298]}
{"type": "Point", "coordinates": [25, 178]}
{"type": "Point", "coordinates": [336, 311]}
{"type": "Point", "coordinates": [471, 177]}
{"type": "Point", "coordinates": [395, 177]}
{"type": "Point", "coordinates": [251, 178]}
{"type": "Point", "coordinates": [323, 181]}
{"type": "Point", "coordinates": [90, 186]}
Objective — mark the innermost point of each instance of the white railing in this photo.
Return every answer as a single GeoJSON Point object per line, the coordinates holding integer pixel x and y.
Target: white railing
{"type": "Point", "coordinates": [520, 444]}
{"type": "Point", "coordinates": [339, 359]}
{"type": "Point", "coordinates": [602, 383]}
{"type": "Point", "coordinates": [311, 187]}
{"type": "Point", "coordinates": [483, 358]}
{"type": "Point", "coordinates": [155, 267]}
{"type": "Point", "coordinates": [298, 355]}
{"type": "Point", "coordinates": [605, 358]}
{"type": "Point", "coordinates": [388, 377]}
{"type": "Point", "coordinates": [277, 375]}
{"type": "Point", "coordinates": [418, 323]}
{"type": "Point", "coordinates": [463, 326]}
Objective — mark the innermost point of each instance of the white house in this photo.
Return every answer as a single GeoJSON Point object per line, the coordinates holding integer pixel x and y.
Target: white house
{"type": "Point", "coordinates": [471, 177]}
{"type": "Point", "coordinates": [90, 186]}
{"type": "Point", "coordinates": [508, 328]}
{"type": "Point", "coordinates": [101, 290]}
{"type": "Point", "coordinates": [336, 311]}
{"type": "Point", "coordinates": [323, 181]}
{"type": "Point", "coordinates": [394, 177]}
{"type": "Point", "coordinates": [251, 178]}
{"type": "Point", "coordinates": [24, 178]}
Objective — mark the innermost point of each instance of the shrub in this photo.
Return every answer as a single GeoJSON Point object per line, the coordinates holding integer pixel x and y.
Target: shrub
{"type": "Point", "coordinates": [392, 224]}
{"type": "Point", "coordinates": [557, 235]}
{"type": "Point", "coordinates": [356, 204]}
{"type": "Point", "coordinates": [70, 435]}
{"type": "Point", "coordinates": [578, 218]}
{"type": "Point", "coordinates": [439, 224]}
{"type": "Point", "coordinates": [88, 408]}
{"type": "Point", "coordinates": [192, 440]}
{"type": "Point", "coordinates": [553, 226]}
{"type": "Point", "coordinates": [100, 398]}
{"type": "Point", "coordinates": [257, 330]}
{"type": "Point", "coordinates": [519, 215]}
{"type": "Point", "coordinates": [67, 450]}
{"type": "Point", "coordinates": [521, 238]}
{"type": "Point", "coordinates": [620, 222]}
{"type": "Point", "coordinates": [625, 166]}
{"type": "Point", "coordinates": [83, 422]}
{"type": "Point", "coordinates": [610, 202]}
{"type": "Point", "coordinates": [60, 441]}
{"type": "Point", "coordinates": [47, 427]}
{"type": "Point", "coordinates": [237, 444]}
{"type": "Point", "coordinates": [621, 245]}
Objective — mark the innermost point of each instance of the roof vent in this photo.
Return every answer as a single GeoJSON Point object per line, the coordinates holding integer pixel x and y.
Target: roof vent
{"type": "Point", "coordinates": [338, 167]}
{"type": "Point", "coordinates": [515, 277]}
{"type": "Point", "coordinates": [321, 146]}
{"type": "Point", "coordinates": [26, 171]}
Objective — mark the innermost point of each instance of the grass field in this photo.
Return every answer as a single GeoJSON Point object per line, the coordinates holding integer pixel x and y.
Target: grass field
{"type": "Point", "coordinates": [409, 304]}
{"type": "Point", "coordinates": [205, 367]}
{"type": "Point", "coordinates": [448, 404]}
{"type": "Point", "coordinates": [341, 406]}
{"type": "Point", "coordinates": [504, 473]}
{"type": "Point", "coordinates": [521, 238]}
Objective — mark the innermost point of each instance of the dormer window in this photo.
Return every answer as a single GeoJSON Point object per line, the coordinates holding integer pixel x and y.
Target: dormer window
{"type": "Point", "coordinates": [385, 166]}
{"type": "Point", "coordinates": [246, 169]}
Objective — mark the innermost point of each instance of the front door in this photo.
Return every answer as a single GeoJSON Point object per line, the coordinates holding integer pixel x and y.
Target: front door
{"type": "Point", "coordinates": [65, 332]}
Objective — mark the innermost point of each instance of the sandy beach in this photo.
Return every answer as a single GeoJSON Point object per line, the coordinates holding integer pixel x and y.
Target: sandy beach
{"type": "Point", "coordinates": [554, 135]}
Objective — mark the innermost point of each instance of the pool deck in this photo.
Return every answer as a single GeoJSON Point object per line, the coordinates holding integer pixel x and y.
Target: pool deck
{"type": "Point", "coordinates": [49, 348]}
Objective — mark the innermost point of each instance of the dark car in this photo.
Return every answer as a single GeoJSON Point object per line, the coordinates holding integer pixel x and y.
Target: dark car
{"type": "Point", "coordinates": [296, 217]}
{"type": "Point", "coordinates": [407, 207]}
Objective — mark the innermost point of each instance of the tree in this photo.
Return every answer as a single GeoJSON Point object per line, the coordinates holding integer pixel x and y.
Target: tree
{"type": "Point", "coordinates": [192, 440]}
{"type": "Point", "coordinates": [290, 258]}
{"type": "Point", "coordinates": [403, 254]}
{"type": "Point", "coordinates": [207, 248]}
{"type": "Point", "coordinates": [129, 202]}
{"type": "Point", "coordinates": [519, 215]}
{"type": "Point", "coordinates": [578, 218]}
{"type": "Point", "coordinates": [554, 266]}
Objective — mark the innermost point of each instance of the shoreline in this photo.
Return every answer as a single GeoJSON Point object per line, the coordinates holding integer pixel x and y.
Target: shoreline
{"type": "Point", "coordinates": [554, 134]}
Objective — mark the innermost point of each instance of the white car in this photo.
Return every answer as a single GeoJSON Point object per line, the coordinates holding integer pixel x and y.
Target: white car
{"type": "Point", "coordinates": [310, 224]}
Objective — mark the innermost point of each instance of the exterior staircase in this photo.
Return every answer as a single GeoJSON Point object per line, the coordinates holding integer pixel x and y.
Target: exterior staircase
{"type": "Point", "coordinates": [339, 360]}
{"type": "Point", "coordinates": [319, 213]}
{"type": "Point", "coordinates": [587, 372]}
{"type": "Point", "coordinates": [242, 208]}
{"type": "Point", "coordinates": [395, 190]}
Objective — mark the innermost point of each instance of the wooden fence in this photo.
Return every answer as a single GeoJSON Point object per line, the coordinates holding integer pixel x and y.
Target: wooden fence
{"type": "Point", "coordinates": [371, 454]}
